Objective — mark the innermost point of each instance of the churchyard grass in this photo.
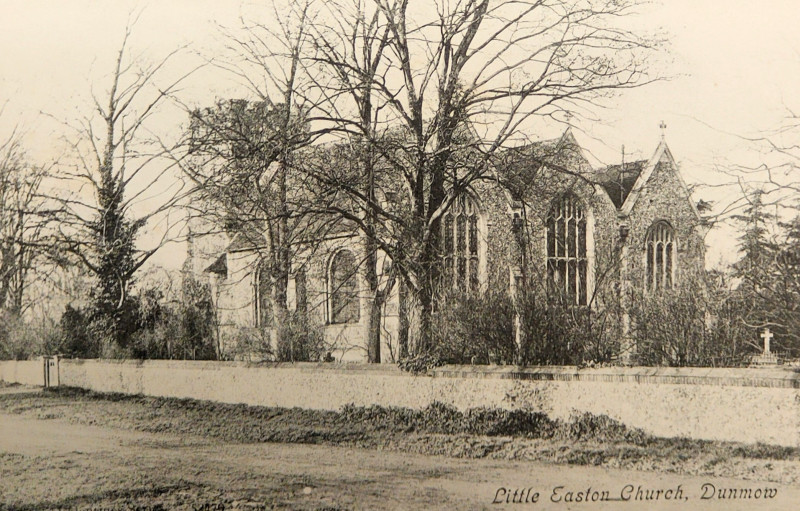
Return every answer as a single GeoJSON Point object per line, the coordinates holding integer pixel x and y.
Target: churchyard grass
{"type": "Point", "coordinates": [437, 430]}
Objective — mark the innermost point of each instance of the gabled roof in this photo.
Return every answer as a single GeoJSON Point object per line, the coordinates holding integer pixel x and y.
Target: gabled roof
{"type": "Point", "coordinates": [618, 180]}
{"type": "Point", "coordinates": [517, 167]}
{"type": "Point", "coordinates": [246, 241]}
{"type": "Point", "coordinates": [219, 266]}
{"type": "Point", "coordinates": [623, 184]}
{"type": "Point", "coordinates": [662, 151]}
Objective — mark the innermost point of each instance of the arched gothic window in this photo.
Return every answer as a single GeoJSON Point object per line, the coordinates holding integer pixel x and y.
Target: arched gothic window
{"type": "Point", "coordinates": [661, 256]}
{"type": "Point", "coordinates": [567, 260]}
{"type": "Point", "coordinates": [460, 244]}
{"type": "Point", "coordinates": [263, 295]}
{"type": "Point", "coordinates": [343, 306]}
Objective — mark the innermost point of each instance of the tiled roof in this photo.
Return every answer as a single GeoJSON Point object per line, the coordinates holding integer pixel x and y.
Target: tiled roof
{"type": "Point", "coordinates": [519, 167]}
{"type": "Point", "coordinates": [618, 180]}
{"type": "Point", "coordinates": [219, 266]}
{"type": "Point", "coordinates": [246, 241]}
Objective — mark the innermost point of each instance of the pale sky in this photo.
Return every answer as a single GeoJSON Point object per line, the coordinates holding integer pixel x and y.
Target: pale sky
{"type": "Point", "coordinates": [735, 67]}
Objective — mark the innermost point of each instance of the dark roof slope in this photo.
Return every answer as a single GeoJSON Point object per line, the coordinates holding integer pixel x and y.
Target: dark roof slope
{"type": "Point", "coordinates": [618, 180]}
{"type": "Point", "coordinates": [519, 168]}
{"type": "Point", "coordinates": [246, 241]}
{"type": "Point", "coordinates": [219, 266]}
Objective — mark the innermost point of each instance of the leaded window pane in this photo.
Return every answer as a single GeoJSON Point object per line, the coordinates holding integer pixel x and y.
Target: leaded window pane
{"type": "Point", "coordinates": [566, 250]}
{"type": "Point", "coordinates": [659, 275]}
{"type": "Point", "coordinates": [668, 266]}
{"type": "Point", "coordinates": [660, 257]}
{"type": "Point", "coordinates": [473, 235]}
{"type": "Point", "coordinates": [448, 248]}
{"type": "Point", "coordinates": [473, 273]}
{"type": "Point", "coordinates": [460, 245]}
{"type": "Point", "coordinates": [582, 280]}
{"type": "Point", "coordinates": [560, 238]}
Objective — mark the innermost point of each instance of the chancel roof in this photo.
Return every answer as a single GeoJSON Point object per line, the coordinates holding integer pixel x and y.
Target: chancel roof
{"type": "Point", "coordinates": [519, 170]}
{"type": "Point", "coordinates": [618, 180]}
{"type": "Point", "coordinates": [519, 167]}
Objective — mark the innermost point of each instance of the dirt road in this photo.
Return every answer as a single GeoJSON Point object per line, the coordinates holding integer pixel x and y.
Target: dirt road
{"type": "Point", "coordinates": [53, 464]}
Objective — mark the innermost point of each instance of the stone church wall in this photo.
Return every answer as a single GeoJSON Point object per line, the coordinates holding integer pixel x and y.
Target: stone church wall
{"type": "Point", "coordinates": [615, 249]}
{"type": "Point", "coordinates": [602, 233]}
{"type": "Point", "coordinates": [664, 199]}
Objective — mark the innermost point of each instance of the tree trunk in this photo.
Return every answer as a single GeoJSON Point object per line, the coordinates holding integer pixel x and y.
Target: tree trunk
{"type": "Point", "coordinates": [373, 305]}
{"type": "Point", "coordinates": [281, 267]}
{"type": "Point", "coordinates": [374, 332]}
{"type": "Point", "coordinates": [279, 314]}
{"type": "Point", "coordinates": [402, 321]}
{"type": "Point", "coordinates": [425, 314]}
{"type": "Point", "coordinates": [301, 293]}
{"type": "Point", "coordinates": [6, 270]}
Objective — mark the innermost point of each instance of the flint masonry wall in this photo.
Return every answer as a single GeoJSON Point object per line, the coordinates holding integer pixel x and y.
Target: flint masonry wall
{"type": "Point", "coordinates": [747, 405]}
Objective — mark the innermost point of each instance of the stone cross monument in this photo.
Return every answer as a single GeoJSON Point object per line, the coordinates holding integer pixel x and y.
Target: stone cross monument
{"type": "Point", "coordinates": [767, 358]}
{"type": "Point", "coordinates": [767, 336]}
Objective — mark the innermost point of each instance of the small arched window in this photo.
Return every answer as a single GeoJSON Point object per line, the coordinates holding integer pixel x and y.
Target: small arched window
{"type": "Point", "coordinates": [661, 256]}
{"type": "Point", "coordinates": [263, 295]}
{"type": "Point", "coordinates": [567, 260]}
{"type": "Point", "coordinates": [460, 244]}
{"type": "Point", "coordinates": [343, 306]}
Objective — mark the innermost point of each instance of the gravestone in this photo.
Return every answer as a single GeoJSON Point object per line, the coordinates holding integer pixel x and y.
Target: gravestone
{"type": "Point", "coordinates": [767, 357]}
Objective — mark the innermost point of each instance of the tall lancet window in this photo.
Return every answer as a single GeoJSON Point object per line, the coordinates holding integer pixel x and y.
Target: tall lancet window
{"type": "Point", "coordinates": [460, 244]}
{"type": "Point", "coordinates": [263, 295]}
{"type": "Point", "coordinates": [661, 256]}
{"type": "Point", "coordinates": [567, 261]}
{"type": "Point", "coordinates": [343, 305]}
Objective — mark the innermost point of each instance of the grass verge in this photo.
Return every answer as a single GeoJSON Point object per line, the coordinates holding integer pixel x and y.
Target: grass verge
{"type": "Point", "coordinates": [438, 429]}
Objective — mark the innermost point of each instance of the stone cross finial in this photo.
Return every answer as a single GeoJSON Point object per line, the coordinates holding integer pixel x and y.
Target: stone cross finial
{"type": "Point", "coordinates": [663, 127]}
{"type": "Point", "coordinates": [767, 336]}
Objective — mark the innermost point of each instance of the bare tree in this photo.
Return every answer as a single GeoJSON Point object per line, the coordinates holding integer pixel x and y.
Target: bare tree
{"type": "Point", "coordinates": [456, 84]}
{"type": "Point", "coordinates": [245, 156]}
{"type": "Point", "coordinates": [764, 209]}
{"type": "Point", "coordinates": [352, 49]}
{"type": "Point", "coordinates": [22, 224]}
{"type": "Point", "coordinates": [424, 99]}
{"type": "Point", "coordinates": [121, 168]}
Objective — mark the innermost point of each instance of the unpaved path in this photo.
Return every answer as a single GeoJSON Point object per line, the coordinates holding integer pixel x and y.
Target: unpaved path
{"type": "Point", "coordinates": [53, 464]}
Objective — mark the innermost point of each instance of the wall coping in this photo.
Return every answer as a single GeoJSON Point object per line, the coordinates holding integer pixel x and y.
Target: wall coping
{"type": "Point", "coordinates": [742, 377]}
{"type": "Point", "coordinates": [339, 367]}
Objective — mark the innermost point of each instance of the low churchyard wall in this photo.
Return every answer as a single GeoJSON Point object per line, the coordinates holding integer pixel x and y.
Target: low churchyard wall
{"type": "Point", "coordinates": [747, 405]}
{"type": "Point", "coordinates": [25, 372]}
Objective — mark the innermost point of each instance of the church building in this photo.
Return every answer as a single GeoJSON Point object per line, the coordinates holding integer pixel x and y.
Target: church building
{"type": "Point", "coordinates": [544, 216]}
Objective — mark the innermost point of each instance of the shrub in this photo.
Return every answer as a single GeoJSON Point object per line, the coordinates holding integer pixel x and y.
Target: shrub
{"type": "Point", "coordinates": [197, 332]}
{"type": "Point", "coordinates": [251, 344]}
{"type": "Point", "coordinates": [474, 328]}
{"type": "Point", "coordinates": [694, 325]}
{"type": "Point", "coordinates": [165, 330]}
{"type": "Point", "coordinates": [300, 340]}
{"type": "Point", "coordinates": [499, 422]}
{"type": "Point", "coordinates": [74, 337]}
{"type": "Point", "coordinates": [21, 340]}
{"type": "Point", "coordinates": [602, 428]}
{"type": "Point", "coordinates": [420, 363]}
{"type": "Point", "coordinates": [561, 334]}
{"type": "Point", "coordinates": [440, 418]}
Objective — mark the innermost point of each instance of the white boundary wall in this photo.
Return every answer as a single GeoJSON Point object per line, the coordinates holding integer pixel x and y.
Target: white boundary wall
{"type": "Point", "coordinates": [26, 372]}
{"type": "Point", "coordinates": [747, 405]}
